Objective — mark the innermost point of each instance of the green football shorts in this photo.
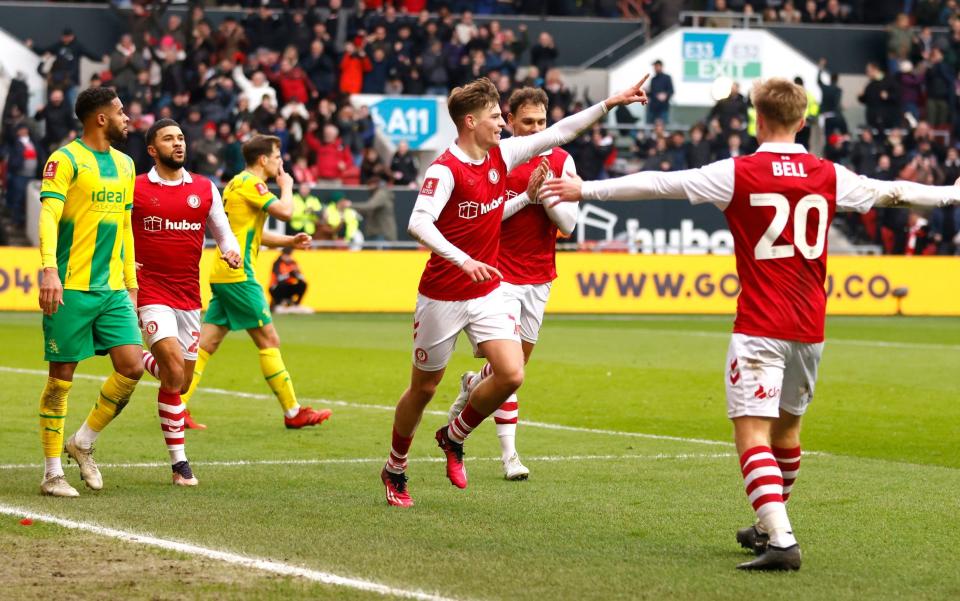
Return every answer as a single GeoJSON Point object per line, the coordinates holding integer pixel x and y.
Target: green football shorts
{"type": "Point", "coordinates": [238, 306]}
{"type": "Point", "coordinates": [89, 323]}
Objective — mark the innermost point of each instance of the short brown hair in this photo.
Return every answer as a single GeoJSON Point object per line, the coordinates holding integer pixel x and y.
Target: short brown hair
{"type": "Point", "coordinates": [476, 95]}
{"type": "Point", "coordinates": [780, 101]}
{"type": "Point", "coordinates": [522, 96]}
{"type": "Point", "coordinates": [258, 146]}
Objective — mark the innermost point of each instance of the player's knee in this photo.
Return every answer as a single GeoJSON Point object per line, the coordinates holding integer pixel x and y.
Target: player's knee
{"type": "Point", "coordinates": [510, 378]}
{"type": "Point", "coordinates": [171, 376]}
{"type": "Point", "coordinates": [210, 346]}
{"type": "Point", "coordinates": [133, 371]}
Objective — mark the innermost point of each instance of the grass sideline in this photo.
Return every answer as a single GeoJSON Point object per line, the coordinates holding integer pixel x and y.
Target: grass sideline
{"type": "Point", "coordinates": [604, 516]}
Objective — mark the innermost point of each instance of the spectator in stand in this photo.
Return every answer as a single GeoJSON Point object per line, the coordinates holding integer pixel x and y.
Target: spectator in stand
{"type": "Point", "coordinates": [354, 64]}
{"type": "Point", "coordinates": [734, 106]}
{"type": "Point", "coordinates": [899, 42]}
{"type": "Point", "coordinates": [207, 154]}
{"type": "Point", "coordinates": [372, 166]}
{"type": "Point", "coordinates": [789, 13]}
{"type": "Point", "coordinates": [265, 115]}
{"type": "Point", "coordinates": [721, 21]}
{"type": "Point", "coordinates": [302, 173]}
{"type": "Point", "coordinates": [24, 156]}
{"type": "Point", "coordinates": [941, 95]}
{"type": "Point", "coordinates": [544, 53]}
{"type": "Point", "coordinates": [125, 65]}
{"type": "Point", "coordinates": [697, 149]}
{"type": "Point", "coordinates": [379, 220]}
{"type": "Point", "coordinates": [215, 107]}
{"type": "Point", "coordinates": [254, 88]}
{"type": "Point", "coordinates": [340, 222]}
{"type": "Point", "coordinates": [433, 66]}
{"type": "Point", "coordinates": [293, 83]}
{"type": "Point", "coordinates": [334, 163]}
{"type": "Point", "coordinates": [865, 154]}
{"type": "Point", "coordinates": [58, 120]}
{"type": "Point", "coordinates": [64, 57]}
{"type": "Point", "coordinates": [831, 101]}
{"type": "Point", "coordinates": [881, 99]}
{"type": "Point", "coordinates": [833, 13]}
{"type": "Point", "coordinates": [661, 91]}
{"type": "Point", "coordinates": [837, 149]}
{"type": "Point", "coordinates": [911, 88]}
{"type": "Point", "coordinates": [404, 166]}
{"type": "Point", "coordinates": [320, 68]}
{"type": "Point", "coordinates": [590, 153]}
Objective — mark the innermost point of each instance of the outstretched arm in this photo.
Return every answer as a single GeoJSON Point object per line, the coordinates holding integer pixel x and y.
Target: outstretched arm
{"type": "Point", "coordinates": [565, 215]}
{"type": "Point", "coordinates": [860, 194]}
{"type": "Point", "coordinates": [520, 149]}
{"type": "Point", "coordinates": [712, 183]}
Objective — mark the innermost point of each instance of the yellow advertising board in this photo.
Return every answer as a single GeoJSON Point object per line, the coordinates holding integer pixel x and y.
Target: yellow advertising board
{"type": "Point", "coordinates": [386, 281]}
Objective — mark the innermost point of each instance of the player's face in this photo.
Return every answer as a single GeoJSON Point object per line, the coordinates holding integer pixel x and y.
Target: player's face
{"type": "Point", "coordinates": [272, 166]}
{"type": "Point", "coordinates": [170, 147]}
{"type": "Point", "coordinates": [530, 119]}
{"type": "Point", "coordinates": [117, 122]}
{"type": "Point", "coordinates": [489, 125]}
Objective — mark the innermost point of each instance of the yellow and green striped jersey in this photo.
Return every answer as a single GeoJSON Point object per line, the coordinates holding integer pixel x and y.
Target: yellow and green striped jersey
{"type": "Point", "coordinates": [95, 193]}
{"type": "Point", "coordinates": [245, 200]}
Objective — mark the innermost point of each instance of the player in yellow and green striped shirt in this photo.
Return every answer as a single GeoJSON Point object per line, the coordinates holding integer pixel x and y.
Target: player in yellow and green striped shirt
{"type": "Point", "coordinates": [238, 302]}
{"type": "Point", "coordinates": [89, 282]}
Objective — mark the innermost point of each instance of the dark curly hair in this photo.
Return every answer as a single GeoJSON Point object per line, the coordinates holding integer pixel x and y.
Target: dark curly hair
{"type": "Point", "coordinates": [89, 100]}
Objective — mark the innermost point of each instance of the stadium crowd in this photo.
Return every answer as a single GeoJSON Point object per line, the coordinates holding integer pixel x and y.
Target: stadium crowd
{"type": "Point", "coordinates": [290, 73]}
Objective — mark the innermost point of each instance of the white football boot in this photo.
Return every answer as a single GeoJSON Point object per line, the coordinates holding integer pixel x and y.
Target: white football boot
{"type": "Point", "coordinates": [57, 486]}
{"type": "Point", "coordinates": [88, 467]}
{"type": "Point", "coordinates": [514, 470]}
{"type": "Point", "coordinates": [462, 397]}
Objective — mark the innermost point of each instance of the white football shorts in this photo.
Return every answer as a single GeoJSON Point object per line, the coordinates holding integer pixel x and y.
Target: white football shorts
{"type": "Point", "coordinates": [765, 375]}
{"type": "Point", "coordinates": [528, 302]}
{"type": "Point", "coordinates": [160, 321]}
{"type": "Point", "coordinates": [436, 325]}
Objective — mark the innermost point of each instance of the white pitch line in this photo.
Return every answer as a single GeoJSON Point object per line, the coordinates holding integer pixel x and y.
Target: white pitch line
{"type": "Point", "coordinates": [544, 425]}
{"type": "Point", "coordinates": [356, 460]}
{"type": "Point", "coordinates": [265, 565]}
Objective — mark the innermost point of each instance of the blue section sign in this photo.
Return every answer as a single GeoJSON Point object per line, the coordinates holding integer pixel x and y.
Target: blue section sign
{"type": "Point", "coordinates": [413, 120]}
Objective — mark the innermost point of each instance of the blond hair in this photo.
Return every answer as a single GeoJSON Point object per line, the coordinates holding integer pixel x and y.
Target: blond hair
{"type": "Point", "coordinates": [475, 96]}
{"type": "Point", "coordinates": [780, 102]}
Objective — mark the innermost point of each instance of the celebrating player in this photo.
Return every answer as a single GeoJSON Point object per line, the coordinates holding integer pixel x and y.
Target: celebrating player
{"type": "Point", "coordinates": [528, 247]}
{"type": "Point", "coordinates": [89, 284]}
{"type": "Point", "coordinates": [457, 216]}
{"type": "Point", "coordinates": [238, 302]}
{"type": "Point", "coordinates": [779, 203]}
{"type": "Point", "coordinates": [170, 207]}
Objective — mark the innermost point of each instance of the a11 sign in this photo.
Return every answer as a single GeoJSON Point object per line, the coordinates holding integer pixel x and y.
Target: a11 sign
{"type": "Point", "coordinates": [413, 120]}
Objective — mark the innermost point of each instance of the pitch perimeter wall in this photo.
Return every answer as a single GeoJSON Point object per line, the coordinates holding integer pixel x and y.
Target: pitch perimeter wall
{"type": "Point", "coordinates": [386, 281]}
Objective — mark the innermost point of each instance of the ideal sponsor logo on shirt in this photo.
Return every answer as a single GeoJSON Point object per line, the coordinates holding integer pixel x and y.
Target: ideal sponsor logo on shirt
{"type": "Point", "coordinates": [105, 195]}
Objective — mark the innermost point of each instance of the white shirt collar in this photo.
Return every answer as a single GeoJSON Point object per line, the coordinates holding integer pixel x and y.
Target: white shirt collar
{"type": "Point", "coordinates": [782, 148]}
{"type": "Point", "coordinates": [462, 156]}
{"type": "Point", "coordinates": [154, 177]}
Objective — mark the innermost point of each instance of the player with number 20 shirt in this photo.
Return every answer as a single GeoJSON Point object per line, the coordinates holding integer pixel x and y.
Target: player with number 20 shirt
{"type": "Point", "coordinates": [779, 203]}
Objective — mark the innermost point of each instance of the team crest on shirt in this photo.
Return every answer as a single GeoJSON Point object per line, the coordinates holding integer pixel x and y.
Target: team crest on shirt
{"type": "Point", "coordinates": [193, 201]}
{"type": "Point", "coordinates": [262, 189]}
{"type": "Point", "coordinates": [493, 175]}
{"type": "Point", "coordinates": [150, 327]}
{"type": "Point", "coordinates": [50, 171]}
{"type": "Point", "coordinates": [152, 224]}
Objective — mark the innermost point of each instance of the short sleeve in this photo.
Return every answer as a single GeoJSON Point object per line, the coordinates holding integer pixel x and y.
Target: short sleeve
{"type": "Point", "coordinates": [58, 173]}
{"type": "Point", "coordinates": [258, 195]}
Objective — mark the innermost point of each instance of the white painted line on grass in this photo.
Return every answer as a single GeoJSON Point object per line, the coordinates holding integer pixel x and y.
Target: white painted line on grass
{"type": "Point", "coordinates": [265, 565]}
{"type": "Point", "coordinates": [355, 460]}
{"type": "Point", "coordinates": [544, 425]}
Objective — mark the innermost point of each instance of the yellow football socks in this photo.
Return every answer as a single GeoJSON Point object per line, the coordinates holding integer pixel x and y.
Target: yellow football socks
{"type": "Point", "coordinates": [114, 396]}
{"type": "Point", "coordinates": [202, 358]}
{"type": "Point", "coordinates": [53, 413]}
{"type": "Point", "coordinates": [275, 373]}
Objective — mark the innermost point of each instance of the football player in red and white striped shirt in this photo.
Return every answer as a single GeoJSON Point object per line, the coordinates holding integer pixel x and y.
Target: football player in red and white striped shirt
{"type": "Point", "coordinates": [171, 208]}
{"type": "Point", "coordinates": [779, 203]}
{"type": "Point", "coordinates": [457, 215]}
{"type": "Point", "coordinates": [528, 248]}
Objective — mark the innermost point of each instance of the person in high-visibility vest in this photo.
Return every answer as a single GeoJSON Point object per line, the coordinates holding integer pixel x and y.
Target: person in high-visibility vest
{"type": "Point", "coordinates": [306, 211]}
{"type": "Point", "coordinates": [341, 221]}
{"type": "Point", "coordinates": [813, 109]}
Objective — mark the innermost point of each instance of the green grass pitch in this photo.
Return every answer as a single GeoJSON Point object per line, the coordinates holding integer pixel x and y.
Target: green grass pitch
{"type": "Point", "coordinates": [606, 514]}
